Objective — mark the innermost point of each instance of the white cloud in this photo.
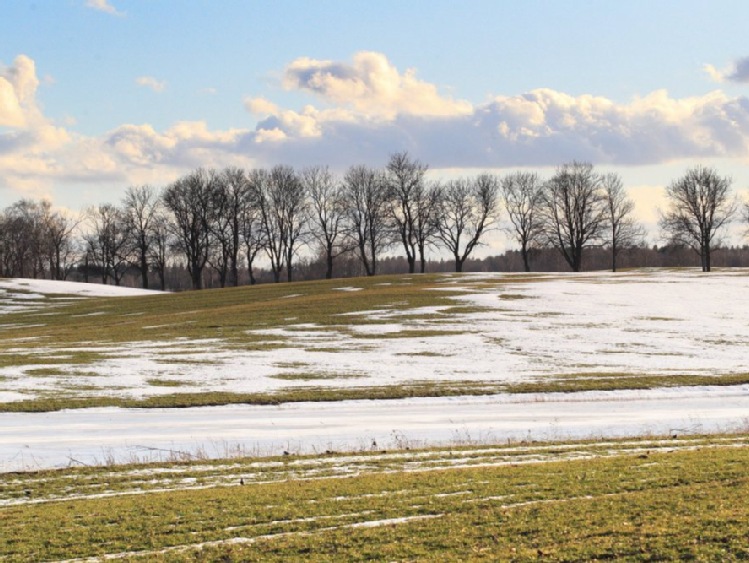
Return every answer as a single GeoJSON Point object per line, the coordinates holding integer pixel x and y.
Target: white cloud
{"type": "Point", "coordinates": [151, 82]}
{"type": "Point", "coordinates": [103, 6]}
{"type": "Point", "coordinates": [371, 85]}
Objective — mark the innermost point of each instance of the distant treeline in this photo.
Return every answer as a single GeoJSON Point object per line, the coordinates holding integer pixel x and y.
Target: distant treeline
{"type": "Point", "coordinates": [217, 228]}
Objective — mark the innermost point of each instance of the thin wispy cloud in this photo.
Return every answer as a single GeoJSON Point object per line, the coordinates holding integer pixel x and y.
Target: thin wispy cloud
{"type": "Point", "coordinates": [104, 6]}
{"type": "Point", "coordinates": [151, 83]}
{"type": "Point", "coordinates": [737, 72]}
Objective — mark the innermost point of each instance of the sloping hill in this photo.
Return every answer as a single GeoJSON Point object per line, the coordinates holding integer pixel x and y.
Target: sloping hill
{"type": "Point", "coordinates": [379, 337]}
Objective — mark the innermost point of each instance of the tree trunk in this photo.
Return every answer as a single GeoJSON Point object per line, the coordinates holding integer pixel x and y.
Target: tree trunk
{"type": "Point", "coordinates": [422, 259]}
{"type": "Point", "coordinates": [526, 262]}
{"type": "Point", "coordinates": [196, 276]}
{"type": "Point", "coordinates": [143, 269]}
{"type": "Point", "coordinates": [411, 263]}
{"type": "Point", "coordinates": [706, 267]}
{"type": "Point", "coordinates": [329, 264]}
{"type": "Point", "coordinates": [458, 264]}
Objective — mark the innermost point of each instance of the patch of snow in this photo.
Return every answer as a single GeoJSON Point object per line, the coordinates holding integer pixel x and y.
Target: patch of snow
{"type": "Point", "coordinates": [47, 287]}
{"type": "Point", "coordinates": [26, 441]}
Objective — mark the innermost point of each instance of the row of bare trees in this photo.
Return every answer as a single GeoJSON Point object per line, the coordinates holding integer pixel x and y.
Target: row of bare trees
{"type": "Point", "coordinates": [218, 217]}
{"type": "Point", "coordinates": [579, 207]}
{"type": "Point", "coordinates": [36, 241]}
{"type": "Point", "coordinates": [227, 220]}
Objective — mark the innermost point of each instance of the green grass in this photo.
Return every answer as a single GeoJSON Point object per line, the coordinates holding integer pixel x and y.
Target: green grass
{"type": "Point", "coordinates": [641, 499]}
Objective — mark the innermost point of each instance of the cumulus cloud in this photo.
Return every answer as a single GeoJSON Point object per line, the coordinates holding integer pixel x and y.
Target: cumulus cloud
{"type": "Point", "coordinates": [151, 82]}
{"type": "Point", "coordinates": [737, 72]}
{"type": "Point", "coordinates": [542, 127]}
{"type": "Point", "coordinates": [103, 6]}
{"type": "Point", "coordinates": [371, 85]}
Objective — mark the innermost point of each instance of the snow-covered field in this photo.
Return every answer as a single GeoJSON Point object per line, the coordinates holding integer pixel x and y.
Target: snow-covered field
{"type": "Point", "coordinates": [647, 322]}
{"type": "Point", "coordinates": [641, 323]}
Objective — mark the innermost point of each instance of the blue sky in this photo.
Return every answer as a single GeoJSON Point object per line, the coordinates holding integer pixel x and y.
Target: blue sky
{"type": "Point", "coordinates": [98, 95]}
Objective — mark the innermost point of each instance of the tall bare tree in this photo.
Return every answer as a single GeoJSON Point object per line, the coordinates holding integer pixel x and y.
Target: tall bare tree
{"type": "Point", "coordinates": [574, 211]}
{"type": "Point", "coordinates": [624, 230]}
{"type": "Point", "coordinates": [408, 198]}
{"type": "Point", "coordinates": [522, 193]}
{"type": "Point", "coordinates": [231, 195]}
{"type": "Point", "coordinates": [189, 201]}
{"type": "Point", "coordinates": [366, 203]}
{"type": "Point", "coordinates": [468, 208]}
{"type": "Point", "coordinates": [62, 248]}
{"type": "Point", "coordinates": [700, 205]}
{"type": "Point", "coordinates": [140, 206]}
{"type": "Point", "coordinates": [108, 241]}
{"type": "Point", "coordinates": [162, 242]}
{"type": "Point", "coordinates": [282, 205]}
{"type": "Point", "coordinates": [327, 213]}
{"type": "Point", "coordinates": [252, 220]}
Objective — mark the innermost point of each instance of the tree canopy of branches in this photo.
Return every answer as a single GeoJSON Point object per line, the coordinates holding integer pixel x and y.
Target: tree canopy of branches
{"type": "Point", "coordinates": [468, 207]}
{"type": "Point", "coordinates": [624, 231]}
{"type": "Point", "coordinates": [366, 201]}
{"type": "Point", "coordinates": [522, 194]}
{"type": "Point", "coordinates": [574, 212]}
{"type": "Point", "coordinates": [700, 205]}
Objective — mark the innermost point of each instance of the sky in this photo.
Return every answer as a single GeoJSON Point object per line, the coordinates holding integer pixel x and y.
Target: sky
{"type": "Point", "coordinates": [100, 95]}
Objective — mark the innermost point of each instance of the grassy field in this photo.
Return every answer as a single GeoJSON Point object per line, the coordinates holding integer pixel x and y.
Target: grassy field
{"type": "Point", "coordinates": [654, 499]}
{"type": "Point", "coordinates": [64, 352]}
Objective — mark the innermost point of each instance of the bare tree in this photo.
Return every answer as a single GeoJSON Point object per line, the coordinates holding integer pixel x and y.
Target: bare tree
{"type": "Point", "coordinates": [574, 211]}
{"type": "Point", "coordinates": [61, 244]}
{"type": "Point", "coordinates": [282, 204]}
{"type": "Point", "coordinates": [408, 198]}
{"type": "Point", "coordinates": [366, 203]}
{"type": "Point", "coordinates": [189, 201]}
{"type": "Point", "coordinates": [140, 206]}
{"type": "Point", "coordinates": [700, 204]}
{"type": "Point", "coordinates": [327, 213]}
{"type": "Point", "coordinates": [252, 220]}
{"type": "Point", "coordinates": [161, 242]}
{"type": "Point", "coordinates": [108, 241]}
{"type": "Point", "coordinates": [230, 195]}
{"type": "Point", "coordinates": [624, 231]}
{"type": "Point", "coordinates": [468, 208]}
{"type": "Point", "coordinates": [522, 194]}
